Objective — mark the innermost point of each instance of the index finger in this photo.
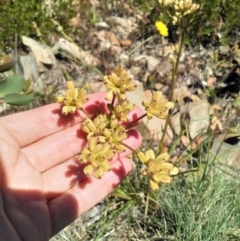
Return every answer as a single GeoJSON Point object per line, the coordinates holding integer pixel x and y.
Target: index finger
{"type": "Point", "coordinates": [29, 126]}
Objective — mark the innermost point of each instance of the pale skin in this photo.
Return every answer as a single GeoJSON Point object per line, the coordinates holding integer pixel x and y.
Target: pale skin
{"type": "Point", "coordinates": [43, 188]}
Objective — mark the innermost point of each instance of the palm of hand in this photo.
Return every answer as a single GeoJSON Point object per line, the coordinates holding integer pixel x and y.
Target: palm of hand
{"type": "Point", "coordinates": [23, 198]}
{"type": "Point", "coordinates": [39, 195]}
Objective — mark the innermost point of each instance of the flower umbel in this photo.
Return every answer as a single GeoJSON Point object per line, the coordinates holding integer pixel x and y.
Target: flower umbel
{"type": "Point", "coordinates": [115, 134]}
{"type": "Point", "coordinates": [162, 28]}
{"type": "Point", "coordinates": [118, 83]}
{"type": "Point", "coordinates": [95, 127]}
{"type": "Point", "coordinates": [98, 156]}
{"type": "Point", "coordinates": [74, 99]}
{"type": "Point", "coordinates": [122, 110]}
{"type": "Point", "coordinates": [158, 106]}
{"type": "Point", "coordinates": [158, 169]}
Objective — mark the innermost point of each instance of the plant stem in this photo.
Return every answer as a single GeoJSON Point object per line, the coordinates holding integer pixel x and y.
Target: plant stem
{"type": "Point", "coordinates": [133, 122]}
{"type": "Point", "coordinates": [129, 147]}
{"type": "Point", "coordinates": [174, 77]}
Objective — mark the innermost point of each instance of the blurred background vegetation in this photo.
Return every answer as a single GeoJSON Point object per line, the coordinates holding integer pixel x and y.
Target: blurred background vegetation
{"type": "Point", "coordinates": [17, 17]}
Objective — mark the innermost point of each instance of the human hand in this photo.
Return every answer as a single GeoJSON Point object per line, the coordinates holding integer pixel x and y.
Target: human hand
{"type": "Point", "coordinates": [43, 187]}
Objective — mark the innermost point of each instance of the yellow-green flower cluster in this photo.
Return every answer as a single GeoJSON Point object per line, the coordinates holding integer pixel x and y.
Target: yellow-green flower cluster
{"type": "Point", "coordinates": [185, 6]}
{"type": "Point", "coordinates": [118, 83]}
{"type": "Point", "coordinates": [74, 99]}
{"type": "Point", "coordinates": [97, 155]}
{"type": "Point", "coordinates": [158, 106]}
{"type": "Point", "coordinates": [158, 169]}
{"type": "Point", "coordinates": [182, 8]}
{"type": "Point", "coordinates": [105, 132]}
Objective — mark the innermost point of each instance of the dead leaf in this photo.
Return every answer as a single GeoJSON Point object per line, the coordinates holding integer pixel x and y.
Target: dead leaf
{"type": "Point", "coordinates": [194, 98]}
{"type": "Point", "coordinates": [43, 54]}
{"type": "Point", "coordinates": [76, 21]}
{"type": "Point", "coordinates": [216, 107]}
{"type": "Point", "coordinates": [108, 40]}
{"type": "Point", "coordinates": [185, 140]}
{"type": "Point", "coordinates": [126, 42]}
{"type": "Point", "coordinates": [216, 124]}
{"type": "Point", "coordinates": [94, 3]}
{"type": "Point", "coordinates": [76, 52]}
{"type": "Point", "coordinates": [211, 81]}
{"type": "Point", "coordinates": [166, 50]}
{"type": "Point", "coordinates": [122, 27]}
{"type": "Point", "coordinates": [148, 94]}
{"type": "Point", "coordinates": [6, 63]}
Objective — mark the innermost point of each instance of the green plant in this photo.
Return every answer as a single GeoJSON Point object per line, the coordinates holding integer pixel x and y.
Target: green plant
{"type": "Point", "coordinates": [12, 85]}
{"type": "Point", "coordinates": [17, 18]}
{"type": "Point", "coordinates": [213, 20]}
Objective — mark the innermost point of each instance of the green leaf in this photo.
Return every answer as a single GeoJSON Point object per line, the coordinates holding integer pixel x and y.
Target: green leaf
{"type": "Point", "coordinates": [12, 84]}
{"type": "Point", "coordinates": [18, 99]}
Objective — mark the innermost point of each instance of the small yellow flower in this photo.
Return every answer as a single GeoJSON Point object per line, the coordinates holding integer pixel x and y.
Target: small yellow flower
{"type": "Point", "coordinates": [122, 110]}
{"type": "Point", "coordinates": [158, 106]}
{"type": "Point", "coordinates": [162, 28]}
{"type": "Point", "coordinates": [73, 100]}
{"type": "Point", "coordinates": [95, 127]}
{"type": "Point", "coordinates": [117, 83]}
{"type": "Point", "coordinates": [115, 134]}
{"type": "Point", "coordinates": [158, 169]}
{"type": "Point", "coordinates": [98, 156]}
{"type": "Point", "coordinates": [115, 138]}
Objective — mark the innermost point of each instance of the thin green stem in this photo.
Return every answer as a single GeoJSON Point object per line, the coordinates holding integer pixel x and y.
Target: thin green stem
{"type": "Point", "coordinates": [113, 100]}
{"type": "Point", "coordinates": [146, 207]}
{"type": "Point", "coordinates": [174, 77]}
{"type": "Point", "coordinates": [129, 147]}
{"type": "Point", "coordinates": [85, 113]}
{"type": "Point", "coordinates": [133, 122]}
{"type": "Point", "coordinates": [140, 45]}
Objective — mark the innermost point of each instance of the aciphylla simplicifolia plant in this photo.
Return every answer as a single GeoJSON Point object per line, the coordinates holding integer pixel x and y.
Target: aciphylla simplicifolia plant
{"type": "Point", "coordinates": [105, 132]}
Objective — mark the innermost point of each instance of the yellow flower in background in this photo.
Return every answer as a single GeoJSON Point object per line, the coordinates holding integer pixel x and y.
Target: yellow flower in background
{"type": "Point", "coordinates": [162, 28]}
{"type": "Point", "coordinates": [158, 106]}
{"type": "Point", "coordinates": [159, 170]}
{"type": "Point", "coordinates": [74, 99]}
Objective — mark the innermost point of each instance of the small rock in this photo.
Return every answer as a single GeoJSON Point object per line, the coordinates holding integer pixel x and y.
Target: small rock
{"type": "Point", "coordinates": [140, 60]}
{"type": "Point", "coordinates": [102, 26]}
{"type": "Point", "coordinates": [226, 154]}
{"type": "Point", "coordinates": [75, 51]}
{"type": "Point", "coordinates": [108, 40]}
{"type": "Point", "coordinates": [151, 63]}
{"type": "Point", "coordinates": [126, 42]}
{"type": "Point", "coordinates": [197, 114]}
{"type": "Point", "coordinates": [224, 50]}
{"type": "Point", "coordinates": [122, 27]}
{"type": "Point", "coordinates": [176, 123]}
{"type": "Point", "coordinates": [135, 70]}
